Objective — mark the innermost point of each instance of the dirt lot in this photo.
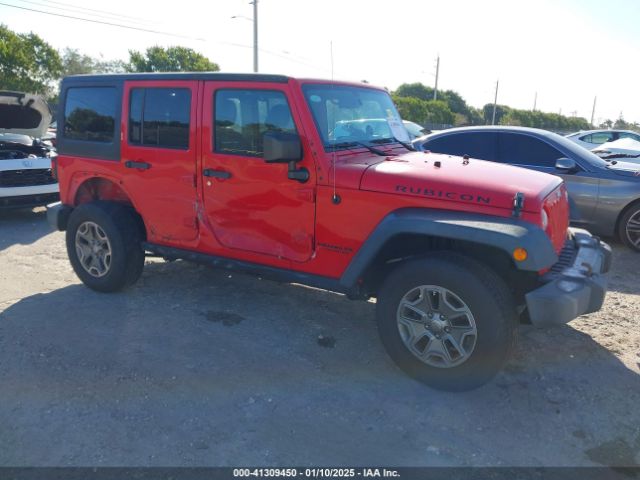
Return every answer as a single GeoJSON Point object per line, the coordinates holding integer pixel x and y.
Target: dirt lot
{"type": "Point", "coordinates": [193, 366]}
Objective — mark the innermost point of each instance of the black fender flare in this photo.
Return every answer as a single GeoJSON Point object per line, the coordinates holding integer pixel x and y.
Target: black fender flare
{"type": "Point", "coordinates": [503, 233]}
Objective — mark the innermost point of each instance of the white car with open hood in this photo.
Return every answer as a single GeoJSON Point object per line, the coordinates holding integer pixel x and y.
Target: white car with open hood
{"type": "Point", "coordinates": [26, 178]}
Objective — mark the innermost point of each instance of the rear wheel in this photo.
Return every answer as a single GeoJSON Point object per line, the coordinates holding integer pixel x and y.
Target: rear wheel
{"type": "Point", "coordinates": [629, 227]}
{"type": "Point", "coordinates": [448, 321]}
{"type": "Point", "coordinates": [104, 244]}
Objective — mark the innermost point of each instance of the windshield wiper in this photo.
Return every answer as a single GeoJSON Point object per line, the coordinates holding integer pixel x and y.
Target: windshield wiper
{"type": "Point", "coordinates": [394, 139]}
{"type": "Point", "coordinates": [359, 144]}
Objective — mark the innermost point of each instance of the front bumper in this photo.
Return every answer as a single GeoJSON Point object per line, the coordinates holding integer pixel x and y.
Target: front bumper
{"type": "Point", "coordinates": [58, 215]}
{"type": "Point", "coordinates": [575, 285]}
{"type": "Point", "coordinates": [27, 201]}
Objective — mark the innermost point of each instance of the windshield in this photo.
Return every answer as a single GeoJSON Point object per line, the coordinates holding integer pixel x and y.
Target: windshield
{"type": "Point", "coordinates": [580, 152]}
{"type": "Point", "coordinates": [347, 115]}
{"type": "Point", "coordinates": [414, 129]}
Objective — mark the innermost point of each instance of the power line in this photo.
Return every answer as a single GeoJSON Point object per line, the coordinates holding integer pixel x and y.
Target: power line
{"type": "Point", "coordinates": [100, 13]}
{"type": "Point", "coordinates": [284, 57]}
{"type": "Point", "coordinates": [159, 32]}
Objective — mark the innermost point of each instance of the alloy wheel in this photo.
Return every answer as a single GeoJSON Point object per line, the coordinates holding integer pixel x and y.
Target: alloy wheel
{"type": "Point", "coordinates": [93, 249]}
{"type": "Point", "coordinates": [436, 326]}
{"type": "Point", "coordinates": [632, 229]}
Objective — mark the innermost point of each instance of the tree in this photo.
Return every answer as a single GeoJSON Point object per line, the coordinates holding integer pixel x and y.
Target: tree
{"type": "Point", "coordinates": [487, 113]}
{"type": "Point", "coordinates": [415, 90]}
{"type": "Point", "coordinates": [424, 111]}
{"type": "Point", "coordinates": [171, 59]}
{"type": "Point", "coordinates": [537, 119]}
{"type": "Point", "coordinates": [27, 63]}
{"type": "Point", "coordinates": [76, 63]}
{"type": "Point", "coordinates": [622, 124]}
{"type": "Point", "coordinates": [464, 114]}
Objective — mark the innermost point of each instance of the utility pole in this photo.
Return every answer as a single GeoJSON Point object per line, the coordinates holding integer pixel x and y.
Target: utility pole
{"type": "Point", "coordinates": [535, 101]}
{"type": "Point", "coordinates": [593, 110]}
{"type": "Point", "coordinates": [495, 103]}
{"type": "Point", "coordinates": [435, 90]}
{"type": "Point", "coordinates": [255, 35]}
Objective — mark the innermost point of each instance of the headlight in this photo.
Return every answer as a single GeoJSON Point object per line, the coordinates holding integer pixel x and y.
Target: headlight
{"type": "Point", "coordinates": [545, 219]}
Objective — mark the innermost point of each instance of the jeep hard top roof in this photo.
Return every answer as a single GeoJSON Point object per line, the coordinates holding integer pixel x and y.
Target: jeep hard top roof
{"type": "Point", "coordinates": [211, 76]}
{"type": "Point", "coordinates": [221, 77]}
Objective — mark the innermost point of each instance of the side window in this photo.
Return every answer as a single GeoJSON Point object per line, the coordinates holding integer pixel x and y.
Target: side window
{"type": "Point", "coordinates": [525, 150]}
{"type": "Point", "coordinates": [241, 117]}
{"type": "Point", "coordinates": [159, 117]}
{"type": "Point", "coordinates": [599, 138]}
{"type": "Point", "coordinates": [480, 145]}
{"type": "Point", "coordinates": [633, 136]}
{"type": "Point", "coordinates": [89, 114]}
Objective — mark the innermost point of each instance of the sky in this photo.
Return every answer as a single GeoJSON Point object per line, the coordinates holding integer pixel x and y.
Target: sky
{"type": "Point", "coordinates": [565, 51]}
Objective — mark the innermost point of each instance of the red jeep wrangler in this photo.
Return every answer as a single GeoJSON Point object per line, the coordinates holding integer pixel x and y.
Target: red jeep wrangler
{"type": "Point", "coordinates": [310, 181]}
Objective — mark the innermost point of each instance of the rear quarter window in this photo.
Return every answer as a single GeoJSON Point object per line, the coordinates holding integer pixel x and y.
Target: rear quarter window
{"type": "Point", "coordinates": [90, 113]}
{"type": "Point", "coordinates": [89, 119]}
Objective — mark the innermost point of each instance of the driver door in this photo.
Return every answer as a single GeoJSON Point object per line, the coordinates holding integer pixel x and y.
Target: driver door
{"type": "Point", "coordinates": [252, 206]}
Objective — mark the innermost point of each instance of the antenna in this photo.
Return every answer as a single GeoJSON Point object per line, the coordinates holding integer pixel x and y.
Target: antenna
{"type": "Point", "coordinates": [495, 103]}
{"type": "Point", "coordinates": [335, 198]}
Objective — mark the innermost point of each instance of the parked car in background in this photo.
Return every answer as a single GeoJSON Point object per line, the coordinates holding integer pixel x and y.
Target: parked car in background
{"type": "Point", "coordinates": [50, 135]}
{"type": "Point", "coordinates": [605, 196]}
{"type": "Point", "coordinates": [415, 130]}
{"type": "Point", "coordinates": [590, 139]}
{"type": "Point", "coordinates": [26, 177]}
{"type": "Point", "coordinates": [622, 150]}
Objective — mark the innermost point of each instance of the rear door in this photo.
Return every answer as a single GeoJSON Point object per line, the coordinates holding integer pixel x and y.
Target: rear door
{"type": "Point", "coordinates": [159, 154]}
{"type": "Point", "coordinates": [252, 206]}
{"type": "Point", "coordinates": [531, 152]}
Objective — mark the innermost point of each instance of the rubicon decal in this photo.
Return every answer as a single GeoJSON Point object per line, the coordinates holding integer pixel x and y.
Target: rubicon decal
{"type": "Point", "coordinates": [430, 192]}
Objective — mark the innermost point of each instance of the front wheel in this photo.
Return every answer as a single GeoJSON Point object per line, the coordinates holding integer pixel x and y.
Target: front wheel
{"type": "Point", "coordinates": [104, 244]}
{"type": "Point", "coordinates": [629, 227]}
{"type": "Point", "coordinates": [447, 320]}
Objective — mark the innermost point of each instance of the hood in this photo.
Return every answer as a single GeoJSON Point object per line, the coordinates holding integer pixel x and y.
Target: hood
{"type": "Point", "coordinates": [23, 113]}
{"type": "Point", "coordinates": [625, 167]}
{"type": "Point", "coordinates": [622, 145]}
{"type": "Point", "coordinates": [457, 180]}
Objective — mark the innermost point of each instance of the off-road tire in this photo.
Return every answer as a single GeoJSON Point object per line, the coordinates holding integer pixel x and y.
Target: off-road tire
{"type": "Point", "coordinates": [487, 297]}
{"type": "Point", "coordinates": [631, 212]}
{"type": "Point", "coordinates": [122, 228]}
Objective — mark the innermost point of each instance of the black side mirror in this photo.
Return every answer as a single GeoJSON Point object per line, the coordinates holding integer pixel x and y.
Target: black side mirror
{"type": "Point", "coordinates": [280, 147]}
{"type": "Point", "coordinates": [565, 164]}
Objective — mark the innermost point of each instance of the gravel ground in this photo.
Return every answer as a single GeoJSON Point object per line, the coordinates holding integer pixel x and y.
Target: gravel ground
{"type": "Point", "coordinates": [194, 366]}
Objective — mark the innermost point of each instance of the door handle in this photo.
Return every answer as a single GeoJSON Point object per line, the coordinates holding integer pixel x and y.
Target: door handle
{"type": "Point", "coordinates": [208, 172]}
{"type": "Point", "coordinates": [139, 165]}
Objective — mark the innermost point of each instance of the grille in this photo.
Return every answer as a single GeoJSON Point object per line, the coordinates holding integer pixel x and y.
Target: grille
{"type": "Point", "coordinates": [565, 259]}
{"type": "Point", "coordinates": [26, 178]}
{"type": "Point", "coordinates": [557, 208]}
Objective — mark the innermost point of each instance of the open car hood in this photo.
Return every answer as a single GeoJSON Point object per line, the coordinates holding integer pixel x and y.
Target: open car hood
{"type": "Point", "coordinates": [24, 113]}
